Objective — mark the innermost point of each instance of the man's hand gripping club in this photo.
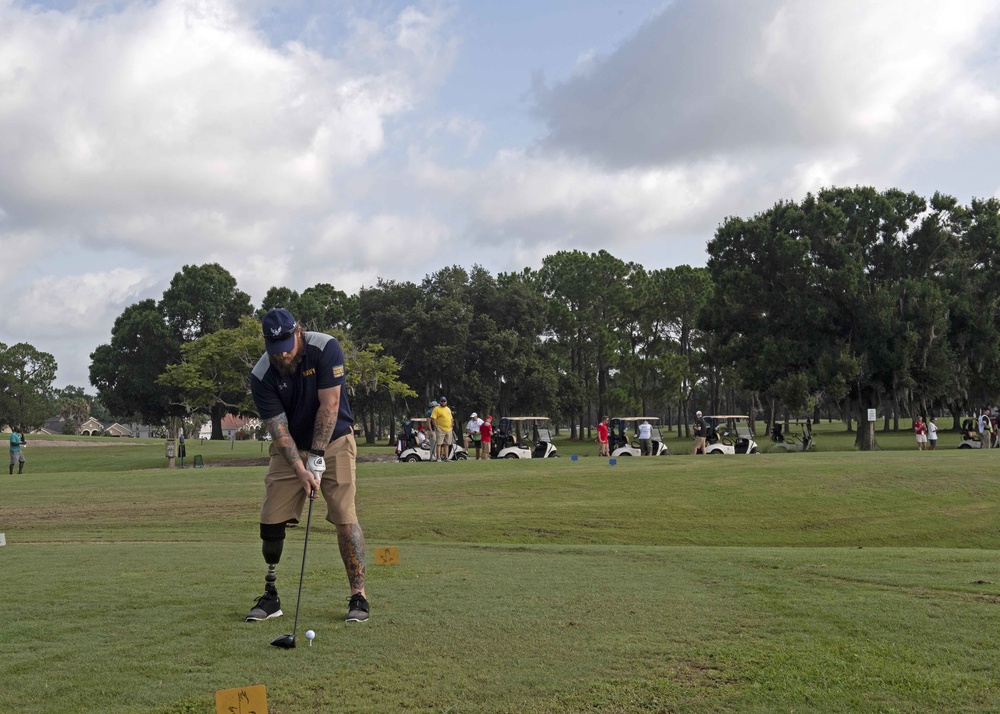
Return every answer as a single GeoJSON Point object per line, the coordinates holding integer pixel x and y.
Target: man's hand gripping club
{"type": "Point", "coordinates": [315, 466]}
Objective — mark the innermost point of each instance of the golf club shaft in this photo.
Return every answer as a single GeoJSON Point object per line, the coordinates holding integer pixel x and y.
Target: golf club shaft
{"type": "Point", "coordinates": [302, 572]}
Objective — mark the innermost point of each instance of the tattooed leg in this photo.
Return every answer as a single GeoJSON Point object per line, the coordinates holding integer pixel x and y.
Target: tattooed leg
{"type": "Point", "coordinates": [352, 550]}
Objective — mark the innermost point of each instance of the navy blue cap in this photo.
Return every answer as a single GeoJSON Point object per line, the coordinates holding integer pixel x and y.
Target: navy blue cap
{"type": "Point", "coordinates": [443, 399]}
{"type": "Point", "coordinates": [278, 327]}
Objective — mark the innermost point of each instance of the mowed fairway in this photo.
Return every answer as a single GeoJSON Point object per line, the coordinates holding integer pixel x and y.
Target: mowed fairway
{"type": "Point", "coordinates": [832, 581]}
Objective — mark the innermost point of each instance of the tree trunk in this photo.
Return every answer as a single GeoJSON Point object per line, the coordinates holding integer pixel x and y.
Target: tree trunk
{"type": "Point", "coordinates": [865, 439]}
{"type": "Point", "coordinates": [218, 411]}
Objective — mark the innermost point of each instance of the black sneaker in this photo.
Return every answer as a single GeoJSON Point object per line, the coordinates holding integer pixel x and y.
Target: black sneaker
{"type": "Point", "coordinates": [268, 606]}
{"type": "Point", "coordinates": [357, 609]}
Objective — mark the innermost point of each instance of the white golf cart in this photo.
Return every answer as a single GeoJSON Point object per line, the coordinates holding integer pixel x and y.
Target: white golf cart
{"type": "Point", "coordinates": [970, 435]}
{"type": "Point", "coordinates": [620, 443]}
{"type": "Point", "coordinates": [730, 434]}
{"type": "Point", "coordinates": [410, 448]}
{"type": "Point", "coordinates": [792, 441]}
{"type": "Point", "coordinates": [523, 438]}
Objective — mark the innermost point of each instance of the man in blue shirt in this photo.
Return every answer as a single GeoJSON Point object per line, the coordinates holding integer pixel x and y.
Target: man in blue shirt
{"type": "Point", "coordinates": [299, 388]}
{"type": "Point", "coordinates": [16, 453]}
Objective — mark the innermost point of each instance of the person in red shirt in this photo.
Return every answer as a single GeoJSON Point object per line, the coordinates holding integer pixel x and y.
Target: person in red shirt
{"type": "Point", "coordinates": [486, 437]}
{"type": "Point", "coordinates": [921, 429]}
{"type": "Point", "coordinates": [602, 437]}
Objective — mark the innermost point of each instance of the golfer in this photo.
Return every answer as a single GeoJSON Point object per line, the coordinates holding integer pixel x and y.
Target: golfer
{"type": "Point", "coordinates": [602, 437]}
{"type": "Point", "coordinates": [700, 432]}
{"type": "Point", "coordinates": [299, 389]}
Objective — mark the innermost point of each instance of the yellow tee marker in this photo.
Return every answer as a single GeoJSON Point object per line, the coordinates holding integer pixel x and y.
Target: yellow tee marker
{"type": "Point", "coordinates": [387, 556]}
{"type": "Point", "coordinates": [242, 700]}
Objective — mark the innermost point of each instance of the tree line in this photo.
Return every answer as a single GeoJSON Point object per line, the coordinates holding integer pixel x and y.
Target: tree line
{"type": "Point", "coordinates": [847, 300]}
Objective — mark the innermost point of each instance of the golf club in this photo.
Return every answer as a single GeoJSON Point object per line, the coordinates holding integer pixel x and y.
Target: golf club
{"type": "Point", "coordinates": [288, 641]}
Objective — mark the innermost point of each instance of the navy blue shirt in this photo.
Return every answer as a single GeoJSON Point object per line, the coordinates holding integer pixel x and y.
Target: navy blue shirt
{"type": "Point", "coordinates": [297, 396]}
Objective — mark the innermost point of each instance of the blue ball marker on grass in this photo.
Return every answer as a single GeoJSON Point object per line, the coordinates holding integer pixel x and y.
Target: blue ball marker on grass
{"type": "Point", "coordinates": [574, 457]}
{"type": "Point", "coordinates": [612, 462]}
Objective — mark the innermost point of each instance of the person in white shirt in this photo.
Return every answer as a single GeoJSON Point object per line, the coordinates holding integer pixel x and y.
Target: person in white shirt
{"type": "Point", "coordinates": [985, 430]}
{"type": "Point", "coordinates": [472, 432]}
{"type": "Point", "coordinates": [645, 436]}
{"type": "Point", "coordinates": [932, 430]}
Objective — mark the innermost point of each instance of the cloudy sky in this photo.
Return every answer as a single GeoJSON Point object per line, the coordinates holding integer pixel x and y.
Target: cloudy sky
{"type": "Point", "coordinates": [305, 141]}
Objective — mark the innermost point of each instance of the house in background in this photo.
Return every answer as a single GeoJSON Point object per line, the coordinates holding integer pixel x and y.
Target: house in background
{"type": "Point", "coordinates": [53, 425]}
{"type": "Point", "coordinates": [230, 426]}
{"type": "Point", "coordinates": [140, 431]}
{"type": "Point", "coordinates": [91, 427]}
{"type": "Point", "coordinates": [117, 429]}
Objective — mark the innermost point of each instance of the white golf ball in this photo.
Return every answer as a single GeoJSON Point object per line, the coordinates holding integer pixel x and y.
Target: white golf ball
{"type": "Point", "coordinates": [310, 634]}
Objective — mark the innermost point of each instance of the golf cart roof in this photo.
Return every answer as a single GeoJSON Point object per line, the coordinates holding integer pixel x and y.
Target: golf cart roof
{"type": "Point", "coordinates": [420, 419]}
{"type": "Point", "coordinates": [728, 416]}
{"type": "Point", "coordinates": [637, 418]}
{"type": "Point", "coordinates": [527, 418]}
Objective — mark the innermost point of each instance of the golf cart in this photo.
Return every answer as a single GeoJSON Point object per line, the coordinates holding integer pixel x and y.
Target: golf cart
{"type": "Point", "coordinates": [970, 435]}
{"type": "Point", "coordinates": [791, 441]}
{"type": "Point", "coordinates": [619, 443]}
{"type": "Point", "coordinates": [409, 449]}
{"type": "Point", "coordinates": [730, 434]}
{"type": "Point", "coordinates": [523, 438]}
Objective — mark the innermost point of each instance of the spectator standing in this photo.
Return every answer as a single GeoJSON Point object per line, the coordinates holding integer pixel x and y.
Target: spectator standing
{"type": "Point", "coordinates": [472, 432]}
{"type": "Point", "coordinates": [602, 437]}
{"type": "Point", "coordinates": [985, 430]}
{"type": "Point", "coordinates": [432, 430]}
{"type": "Point", "coordinates": [700, 429]}
{"type": "Point", "coordinates": [442, 418]}
{"type": "Point", "coordinates": [645, 438]}
{"type": "Point", "coordinates": [486, 437]}
{"type": "Point", "coordinates": [16, 451]}
{"type": "Point", "coordinates": [932, 433]}
{"type": "Point", "coordinates": [921, 430]}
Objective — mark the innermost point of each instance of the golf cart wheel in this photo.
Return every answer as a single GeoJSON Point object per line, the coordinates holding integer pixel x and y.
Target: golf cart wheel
{"type": "Point", "coordinates": [964, 446]}
{"type": "Point", "coordinates": [411, 458]}
{"type": "Point", "coordinates": [553, 456]}
{"type": "Point", "coordinates": [511, 456]}
{"type": "Point", "coordinates": [462, 457]}
{"type": "Point", "coordinates": [755, 450]}
{"type": "Point", "coordinates": [717, 452]}
{"type": "Point", "coordinates": [627, 453]}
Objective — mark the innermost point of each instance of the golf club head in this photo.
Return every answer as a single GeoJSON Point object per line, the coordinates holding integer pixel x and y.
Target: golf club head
{"type": "Point", "coordinates": [285, 642]}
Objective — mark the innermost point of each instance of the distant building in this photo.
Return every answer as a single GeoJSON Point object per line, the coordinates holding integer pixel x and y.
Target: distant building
{"type": "Point", "coordinates": [231, 425]}
{"type": "Point", "coordinates": [91, 427]}
{"type": "Point", "coordinates": [117, 429]}
{"type": "Point", "coordinates": [141, 431]}
{"type": "Point", "coordinates": [54, 425]}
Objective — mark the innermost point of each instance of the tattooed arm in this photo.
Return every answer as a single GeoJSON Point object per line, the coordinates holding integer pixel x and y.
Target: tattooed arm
{"type": "Point", "coordinates": [326, 416]}
{"type": "Point", "coordinates": [277, 427]}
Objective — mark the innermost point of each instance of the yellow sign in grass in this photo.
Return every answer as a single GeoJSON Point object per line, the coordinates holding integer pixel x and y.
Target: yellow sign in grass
{"type": "Point", "coordinates": [242, 700]}
{"type": "Point", "coordinates": [387, 556]}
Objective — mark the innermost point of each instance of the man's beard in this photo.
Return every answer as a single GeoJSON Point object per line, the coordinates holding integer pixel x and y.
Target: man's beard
{"type": "Point", "coordinates": [289, 368]}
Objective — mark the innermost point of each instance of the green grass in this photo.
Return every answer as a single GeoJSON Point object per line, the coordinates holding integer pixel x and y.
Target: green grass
{"type": "Point", "coordinates": [834, 581]}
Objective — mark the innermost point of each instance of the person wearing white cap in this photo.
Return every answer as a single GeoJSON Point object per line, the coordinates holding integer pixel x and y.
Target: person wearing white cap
{"type": "Point", "coordinates": [700, 430]}
{"type": "Point", "coordinates": [472, 432]}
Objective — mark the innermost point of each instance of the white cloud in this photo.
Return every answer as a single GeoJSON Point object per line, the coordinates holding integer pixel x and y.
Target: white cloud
{"type": "Point", "coordinates": [710, 77]}
{"type": "Point", "coordinates": [87, 303]}
{"type": "Point", "coordinates": [114, 121]}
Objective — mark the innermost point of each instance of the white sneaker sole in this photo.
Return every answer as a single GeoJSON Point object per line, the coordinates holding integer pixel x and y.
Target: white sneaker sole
{"type": "Point", "coordinates": [268, 617]}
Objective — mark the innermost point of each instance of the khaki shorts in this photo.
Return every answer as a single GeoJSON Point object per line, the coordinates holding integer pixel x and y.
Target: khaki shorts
{"type": "Point", "coordinates": [444, 438]}
{"type": "Point", "coordinates": [16, 456]}
{"type": "Point", "coordinates": [699, 442]}
{"type": "Point", "coordinates": [284, 495]}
